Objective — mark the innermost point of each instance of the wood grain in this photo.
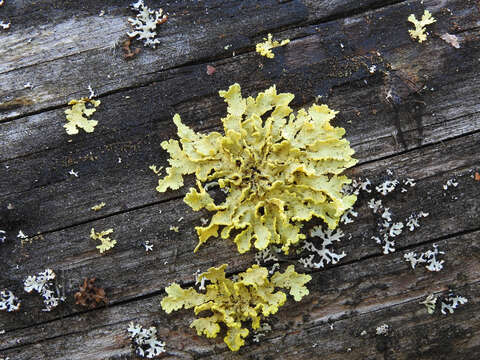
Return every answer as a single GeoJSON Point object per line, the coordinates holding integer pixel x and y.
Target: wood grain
{"type": "Point", "coordinates": [430, 134]}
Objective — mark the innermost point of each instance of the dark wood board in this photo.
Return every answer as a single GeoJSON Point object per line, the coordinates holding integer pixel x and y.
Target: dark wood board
{"type": "Point", "coordinates": [431, 135]}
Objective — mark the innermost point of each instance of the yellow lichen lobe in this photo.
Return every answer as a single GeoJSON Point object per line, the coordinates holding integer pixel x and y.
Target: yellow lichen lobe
{"type": "Point", "coordinates": [98, 207]}
{"type": "Point", "coordinates": [105, 242]}
{"type": "Point", "coordinates": [155, 170]}
{"type": "Point", "coordinates": [78, 115]}
{"type": "Point", "coordinates": [230, 302]}
{"type": "Point", "coordinates": [419, 32]}
{"type": "Point", "coordinates": [265, 48]}
{"type": "Point", "coordinates": [277, 169]}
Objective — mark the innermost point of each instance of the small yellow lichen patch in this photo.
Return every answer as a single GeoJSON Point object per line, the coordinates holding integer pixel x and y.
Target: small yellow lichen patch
{"type": "Point", "coordinates": [419, 32]}
{"type": "Point", "coordinates": [106, 242]}
{"type": "Point", "coordinates": [251, 297]}
{"type": "Point", "coordinates": [78, 115]}
{"type": "Point", "coordinates": [278, 170]}
{"type": "Point", "coordinates": [265, 48]}
{"type": "Point", "coordinates": [155, 169]}
{"type": "Point", "coordinates": [174, 228]}
{"type": "Point", "coordinates": [98, 206]}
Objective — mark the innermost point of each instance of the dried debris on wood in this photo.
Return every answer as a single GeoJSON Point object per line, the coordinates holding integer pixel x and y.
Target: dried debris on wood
{"type": "Point", "coordinates": [128, 53]}
{"type": "Point", "coordinates": [89, 295]}
{"type": "Point", "coordinates": [451, 39]}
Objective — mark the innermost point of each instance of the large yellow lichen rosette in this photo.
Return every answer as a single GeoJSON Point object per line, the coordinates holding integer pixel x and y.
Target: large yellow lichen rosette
{"type": "Point", "coordinates": [279, 169]}
{"type": "Point", "coordinates": [252, 297]}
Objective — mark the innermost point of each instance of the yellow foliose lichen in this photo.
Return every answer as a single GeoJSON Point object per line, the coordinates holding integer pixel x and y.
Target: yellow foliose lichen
{"type": "Point", "coordinates": [277, 169]}
{"type": "Point", "coordinates": [105, 242]}
{"type": "Point", "coordinates": [251, 297]}
{"type": "Point", "coordinates": [78, 115]}
{"type": "Point", "coordinates": [419, 32]}
{"type": "Point", "coordinates": [265, 48]}
{"type": "Point", "coordinates": [98, 207]}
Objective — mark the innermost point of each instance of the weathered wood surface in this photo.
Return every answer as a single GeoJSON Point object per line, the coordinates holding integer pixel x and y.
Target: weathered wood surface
{"type": "Point", "coordinates": [432, 136]}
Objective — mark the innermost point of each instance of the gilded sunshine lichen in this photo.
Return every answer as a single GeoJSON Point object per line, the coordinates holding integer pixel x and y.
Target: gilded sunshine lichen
{"type": "Point", "coordinates": [78, 115]}
{"type": "Point", "coordinates": [105, 242]}
{"type": "Point", "coordinates": [265, 48]}
{"type": "Point", "coordinates": [277, 169]}
{"type": "Point", "coordinates": [420, 32]}
{"type": "Point", "coordinates": [252, 297]}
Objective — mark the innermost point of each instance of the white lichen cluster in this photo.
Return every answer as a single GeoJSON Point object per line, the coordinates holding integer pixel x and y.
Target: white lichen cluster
{"type": "Point", "coordinates": [43, 284]}
{"type": "Point", "coordinates": [388, 229]}
{"type": "Point", "coordinates": [8, 301]}
{"type": "Point", "coordinates": [347, 217]}
{"type": "Point", "coordinates": [412, 221]}
{"type": "Point", "coordinates": [261, 331]}
{"type": "Point", "coordinates": [447, 305]}
{"type": "Point", "coordinates": [382, 330]}
{"type": "Point", "coordinates": [429, 257]}
{"type": "Point", "coordinates": [323, 254]}
{"type": "Point", "coordinates": [148, 246]}
{"type": "Point", "coordinates": [268, 258]}
{"type": "Point", "coordinates": [4, 25]}
{"type": "Point", "coordinates": [450, 182]}
{"type": "Point", "coordinates": [356, 186]}
{"type": "Point", "coordinates": [450, 303]}
{"type": "Point", "coordinates": [145, 340]}
{"type": "Point", "coordinates": [145, 23]}
{"type": "Point", "coordinates": [3, 236]}
{"type": "Point", "coordinates": [387, 186]}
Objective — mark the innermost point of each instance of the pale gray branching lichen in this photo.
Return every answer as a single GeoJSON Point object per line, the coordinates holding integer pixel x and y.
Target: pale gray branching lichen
{"type": "Point", "coordinates": [346, 219]}
{"type": "Point", "coordinates": [261, 331]}
{"type": "Point", "coordinates": [8, 301]}
{"type": "Point", "coordinates": [268, 255]}
{"type": "Point", "coordinates": [382, 330]}
{"type": "Point", "coordinates": [326, 255]}
{"type": "Point", "coordinates": [450, 182]}
{"type": "Point", "coordinates": [387, 186]}
{"type": "Point", "coordinates": [429, 257]}
{"type": "Point", "coordinates": [43, 284]}
{"type": "Point", "coordinates": [451, 302]}
{"type": "Point", "coordinates": [3, 236]}
{"type": "Point", "coordinates": [145, 23]}
{"type": "Point", "coordinates": [412, 221]}
{"type": "Point", "coordinates": [146, 341]}
{"type": "Point", "coordinates": [448, 304]}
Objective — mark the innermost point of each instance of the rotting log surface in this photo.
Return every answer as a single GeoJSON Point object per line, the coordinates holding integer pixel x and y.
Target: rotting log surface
{"type": "Point", "coordinates": [431, 134]}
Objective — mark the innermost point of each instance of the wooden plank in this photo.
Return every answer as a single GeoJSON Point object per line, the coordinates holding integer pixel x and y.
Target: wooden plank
{"type": "Point", "coordinates": [132, 128]}
{"type": "Point", "coordinates": [344, 301]}
{"type": "Point", "coordinates": [72, 254]}
{"type": "Point", "coordinates": [59, 66]}
{"type": "Point", "coordinates": [431, 136]}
